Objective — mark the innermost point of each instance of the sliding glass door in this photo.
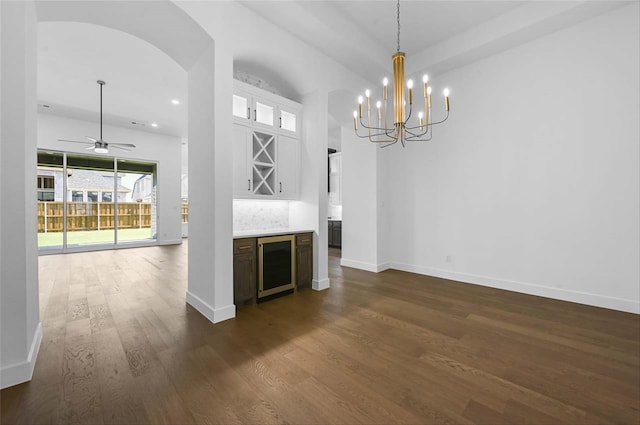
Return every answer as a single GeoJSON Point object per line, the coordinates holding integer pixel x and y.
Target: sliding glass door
{"type": "Point", "coordinates": [90, 179]}
{"type": "Point", "coordinates": [50, 189]}
{"type": "Point", "coordinates": [137, 211]}
{"type": "Point", "coordinates": [89, 201]}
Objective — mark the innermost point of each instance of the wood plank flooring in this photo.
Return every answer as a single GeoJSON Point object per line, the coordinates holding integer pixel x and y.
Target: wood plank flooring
{"type": "Point", "coordinates": [121, 346]}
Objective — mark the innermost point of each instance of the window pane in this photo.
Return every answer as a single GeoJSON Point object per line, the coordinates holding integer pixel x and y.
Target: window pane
{"type": "Point", "coordinates": [92, 196]}
{"type": "Point", "coordinates": [107, 196]}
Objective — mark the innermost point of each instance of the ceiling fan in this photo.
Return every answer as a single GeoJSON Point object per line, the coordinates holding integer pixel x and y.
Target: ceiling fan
{"type": "Point", "coordinates": [99, 145]}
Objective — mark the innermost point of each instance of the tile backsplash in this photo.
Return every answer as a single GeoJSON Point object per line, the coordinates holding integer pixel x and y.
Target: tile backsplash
{"type": "Point", "coordinates": [260, 215]}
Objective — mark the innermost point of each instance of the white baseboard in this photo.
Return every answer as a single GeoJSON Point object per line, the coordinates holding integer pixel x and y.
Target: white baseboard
{"type": "Point", "coordinates": [620, 304]}
{"type": "Point", "coordinates": [171, 242]}
{"type": "Point", "coordinates": [22, 372]}
{"type": "Point", "coordinates": [215, 315]}
{"type": "Point", "coordinates": [320, 285]}
{"type": "Point", "coordinates": [370, 267]}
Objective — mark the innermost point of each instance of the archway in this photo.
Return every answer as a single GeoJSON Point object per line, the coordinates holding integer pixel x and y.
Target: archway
{"type": "Point", "coordinates": [191, 47]}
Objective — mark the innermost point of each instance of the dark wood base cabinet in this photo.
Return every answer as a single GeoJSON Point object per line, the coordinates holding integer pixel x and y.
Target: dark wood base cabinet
{"type": "Point", "coordinates": [245, 267]}
{"type": "Point", "coordinates": [244, 271]}
{"type": "Point", "coordinates": [304, 260]}
{"type": "Point", "coordinates": [335, 233]}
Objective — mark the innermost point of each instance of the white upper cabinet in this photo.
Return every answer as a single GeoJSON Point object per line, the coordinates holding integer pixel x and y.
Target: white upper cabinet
{"type": "Point", "coordinates": [242, 178]}
{"type": "Point", "coordinates": [255, 107]}
{"type": "Point", "coordinates": [288, 167]}
{"type": "Point", "coordinates": [266, 152]}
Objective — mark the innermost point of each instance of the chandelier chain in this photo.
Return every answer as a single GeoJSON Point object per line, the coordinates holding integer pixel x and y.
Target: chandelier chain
{"type": "Point", "coordinates": [398, 10]}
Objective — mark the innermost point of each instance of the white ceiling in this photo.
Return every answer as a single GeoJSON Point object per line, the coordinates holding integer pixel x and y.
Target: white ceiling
{"type": "Point", "coordinates": [140, 80]}
{"type": "Point", "coordinates": [361, 35]}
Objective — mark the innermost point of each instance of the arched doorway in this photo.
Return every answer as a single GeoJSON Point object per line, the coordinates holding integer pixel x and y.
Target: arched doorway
{"type": "Point", "coordinates": [191, 47]}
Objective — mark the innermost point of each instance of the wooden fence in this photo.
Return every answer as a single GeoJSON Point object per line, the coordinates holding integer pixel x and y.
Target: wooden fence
{"type": "Point", "coordinates": [97, 215]}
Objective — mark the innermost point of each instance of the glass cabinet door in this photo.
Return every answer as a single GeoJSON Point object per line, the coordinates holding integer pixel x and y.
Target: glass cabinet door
{"type": "Point", "coordinates": [288, 120]}
{"type": "Point", "coordinates": [241, 108]}
{"type": "Point", "coordinates": [264, 113]}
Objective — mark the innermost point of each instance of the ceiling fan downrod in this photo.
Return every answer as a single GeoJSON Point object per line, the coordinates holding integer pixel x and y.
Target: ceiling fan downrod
{"type": "Point", "coordinates": [102, 83]}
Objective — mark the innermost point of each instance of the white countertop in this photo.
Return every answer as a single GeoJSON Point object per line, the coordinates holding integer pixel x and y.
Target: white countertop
{"type": "Point", "coordinates": [237, 234]}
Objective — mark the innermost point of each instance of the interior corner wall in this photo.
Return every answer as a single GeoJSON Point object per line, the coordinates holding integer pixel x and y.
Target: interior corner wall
{"type": "Point", "coordinates": [20, 328]}
{"type": "Point", "coordinates": [163, 149]}
{"type": "Point", "coordinates": [210, 287]}
{"type": "Point", "coordinates": [359, 202]}
{"type": "Point", "coordinates": [533, 183]}
{"type": "Point", "coordinates": [310, 211]}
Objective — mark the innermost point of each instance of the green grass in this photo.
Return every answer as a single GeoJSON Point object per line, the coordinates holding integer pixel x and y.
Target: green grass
{"type": "Point", "coordinates": [86, 237]}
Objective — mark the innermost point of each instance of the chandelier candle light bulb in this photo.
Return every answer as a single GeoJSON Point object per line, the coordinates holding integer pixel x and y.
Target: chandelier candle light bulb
{"type": "Point", "coordinates": [446, 99]}
{"type": "Point", "coordinates": [403, 128]}
{"type": "Point", "coordinates": [355, 120]}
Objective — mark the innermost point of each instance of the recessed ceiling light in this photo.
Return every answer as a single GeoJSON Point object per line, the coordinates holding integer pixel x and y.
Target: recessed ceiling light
{"type": "Point", "coordinates": [175, 101]}
{"type": "Point", "coordinates": [153, 124]}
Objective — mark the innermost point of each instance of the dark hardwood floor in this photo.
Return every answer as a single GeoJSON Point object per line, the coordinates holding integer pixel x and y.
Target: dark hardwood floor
{"type": "Point", "coordinates": [121, 346]}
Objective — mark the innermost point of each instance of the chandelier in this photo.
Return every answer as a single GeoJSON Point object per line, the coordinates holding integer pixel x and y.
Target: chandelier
{"type": "Point", "coordinates": [379, 130]}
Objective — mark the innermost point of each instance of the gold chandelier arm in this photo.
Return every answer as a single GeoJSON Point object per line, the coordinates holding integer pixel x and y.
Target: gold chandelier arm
{"type": "Point", "coordinates": [389, 144]}
{"type": "Point", "coordinates": [430, 124]}
{"type": "Point", "coordinates": [418, 137]}
{"type": "Point", "coordinates": [371, 137]}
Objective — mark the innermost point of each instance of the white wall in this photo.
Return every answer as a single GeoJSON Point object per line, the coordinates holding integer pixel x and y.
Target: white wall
{"type": "Point", "coordinates": [310, 211]}
{"type": "Point", "coordinates": [359, 202]}
{"type": "Point", "coordinates": [20, 328]}
{"type": "Point", "coordinates": [165, 150]}
{"type": "Point", "coordinates": [210, 288]}
{"type": "Point", "coordinates": [533, 183]}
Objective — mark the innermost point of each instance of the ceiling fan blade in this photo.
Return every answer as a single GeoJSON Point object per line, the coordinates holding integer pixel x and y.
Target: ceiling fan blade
{"type": "Point", "coordinates": [114, 145]}
{"type": "Point", "coordinates": [90, 147]}
{"type": "Point", "coordinates": [129, 145]}
{"type": "Point", "coordinates": [91, 138]}
{"type": "Point", "coordinates": [73, 141]}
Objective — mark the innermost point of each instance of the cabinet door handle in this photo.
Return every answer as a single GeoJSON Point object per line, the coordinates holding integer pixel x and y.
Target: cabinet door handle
{"type": "Point", "coordinates": [248, 112]}
{"type": "Point", "coordinates": [255, 115]}
{"type": "Point", "coordinates": [280, 122]}
{"type": "Point", "coordinates": [249, 184]}
{"type": "Point", "coordinates": [280, 187]}
{"type": "Point", "coordinates": [245, 247]}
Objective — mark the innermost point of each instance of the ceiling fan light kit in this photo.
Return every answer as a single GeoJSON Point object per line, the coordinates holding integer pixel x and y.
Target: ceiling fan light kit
{"type": "Point", "coordinates": [400, 131]}
{"type": "Point", "coordinates": [99, 145]}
